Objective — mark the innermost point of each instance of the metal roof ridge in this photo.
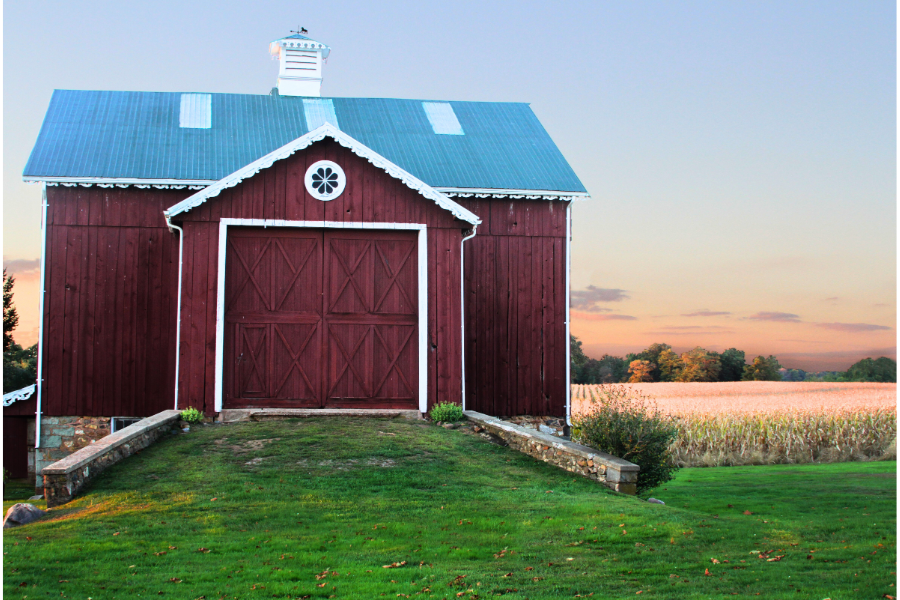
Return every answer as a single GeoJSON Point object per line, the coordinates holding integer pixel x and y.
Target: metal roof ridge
{"type": "Point", "coordinates": [268, 95]}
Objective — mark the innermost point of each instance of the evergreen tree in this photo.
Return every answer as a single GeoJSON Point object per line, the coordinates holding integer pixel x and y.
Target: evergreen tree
{"type": "Point", "coordinates": [10, 316]}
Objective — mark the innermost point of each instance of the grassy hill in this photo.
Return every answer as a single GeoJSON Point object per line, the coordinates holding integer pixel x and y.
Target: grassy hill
{"type": "Point", "coordinates": [319, 508]}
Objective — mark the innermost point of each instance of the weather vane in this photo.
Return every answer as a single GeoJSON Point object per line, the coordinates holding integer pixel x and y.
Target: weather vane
{"type": "Point", "coordinates": [300, 30]}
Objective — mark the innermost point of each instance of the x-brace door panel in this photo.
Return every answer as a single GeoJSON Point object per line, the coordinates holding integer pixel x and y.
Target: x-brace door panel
{"type": "Point", "coordinates": [273, 318]}
{"type": "Point", "coordinates": [371, 318]}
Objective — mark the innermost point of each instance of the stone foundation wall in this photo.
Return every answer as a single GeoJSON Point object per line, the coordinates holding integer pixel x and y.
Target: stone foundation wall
{"type": "Point", "coordinates": [64, 479]}
{"type": "Point", "coordinates": [555, 426]}
{"type": "Point", "coordinates": [61, 436]}
{"type": "Point", "coordinates": [613, 472]}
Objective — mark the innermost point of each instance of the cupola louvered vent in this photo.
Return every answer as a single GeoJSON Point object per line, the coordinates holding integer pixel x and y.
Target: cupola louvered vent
{"type": "Point", "coordinates": [300, 65]}
{"type": "Point", "coordinates": [300, 60]}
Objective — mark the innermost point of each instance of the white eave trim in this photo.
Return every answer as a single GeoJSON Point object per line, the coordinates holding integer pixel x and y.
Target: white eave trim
{"type": "Point", "coordinates": [303, 142]}
{"type": "Point", "coordinates": [24, 394]}
{"type": "Point", "coordinates": [513, 194]}
{"type": "Point", "coordinates": [122, 182]}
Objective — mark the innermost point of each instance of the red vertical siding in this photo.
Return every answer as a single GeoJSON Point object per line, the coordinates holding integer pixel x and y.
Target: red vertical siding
{"type": "Point", "coordinates": [109, 313]}
{"type": "Point", "coordinates": [515, 277]}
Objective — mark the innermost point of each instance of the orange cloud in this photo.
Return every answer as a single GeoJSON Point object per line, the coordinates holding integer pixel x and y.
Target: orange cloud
{"type": "Point", "coordinates": [775, 316]}
{"type": "Point", "coordinates": [589, 316]}
{"type": "Point", "coordinates": [852, 327]}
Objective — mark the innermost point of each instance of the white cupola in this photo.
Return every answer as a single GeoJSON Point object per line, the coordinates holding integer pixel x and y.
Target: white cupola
{"type": "Point", "coordinates": [300, 64]}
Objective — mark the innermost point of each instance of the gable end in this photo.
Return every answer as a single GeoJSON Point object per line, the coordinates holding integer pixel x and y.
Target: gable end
{"type": "Point", "coordinates": [303, 142]}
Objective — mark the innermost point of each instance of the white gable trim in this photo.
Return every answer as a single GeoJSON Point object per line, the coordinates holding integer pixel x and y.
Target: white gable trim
{"type": "Point", "coordinates": [303, 142]}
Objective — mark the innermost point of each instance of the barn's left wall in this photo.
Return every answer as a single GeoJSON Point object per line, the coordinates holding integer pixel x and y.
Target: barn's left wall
{"type": "Point", "coordinates": [109, 313]}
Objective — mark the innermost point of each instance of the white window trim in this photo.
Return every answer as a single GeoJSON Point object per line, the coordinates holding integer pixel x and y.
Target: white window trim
{"type": "Point", "coordinates": [224, 224]}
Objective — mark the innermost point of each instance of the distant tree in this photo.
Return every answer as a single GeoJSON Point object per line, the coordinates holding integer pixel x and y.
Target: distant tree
{"type": "Point", "coordinates": [611, 369]}
{"type": "Point", "coordinates": [882, 369]}
{"type": "Point", "coordinates": [732, 362]}
{"type": "Point", "coordinates": [670, 365]}
{"type": "Point", "coordinates": [699, 365]}
{"type": "Point", "coordinates": [651, 355]}
{"type": "Point", "coordinates": [793, 375]}
{"type": "Point", "coordinates": [10, 316]}
{"type": "Point", "coordinates": [577, 359]}
{"type": "Point", "coordinates": [832, 376]}
{"type": "Point", "coordinates": [762, 369]}
{"type": "Point", "coordinates": [641, 371]}
{"type": "Point", "coordinates": [19, 367]}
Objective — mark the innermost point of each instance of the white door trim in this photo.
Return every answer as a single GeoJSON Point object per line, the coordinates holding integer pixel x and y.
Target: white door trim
{"type": "Point", "coordinates": [224, 224]}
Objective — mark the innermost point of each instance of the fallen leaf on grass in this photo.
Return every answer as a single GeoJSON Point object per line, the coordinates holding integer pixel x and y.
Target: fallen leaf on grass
{"type": "Point", "coordinates": [116, 533]}
{"type": "Point", "coordinates": [529, 568]}
{"type": "Point", "coordinates": [747, 512]}
{"type": "Point", "coordinates": [714, 561]}
{"type": "Point", "coordinates": [707, 573]}
{"type": "Point", "coordinates": [175, 580]}
{"type": "Point", "coordinates": [173, 547]}
{"type": "Point", "coordinates": [394, 565]}
{"type": "Point", "coordinates": [203, 550]}
{"type": "Point", "coordinates": [159, 553]}
{"type": "Point", "coordinates": [213, 499]}
{"type": "Point", "coordinates": [775, 558]}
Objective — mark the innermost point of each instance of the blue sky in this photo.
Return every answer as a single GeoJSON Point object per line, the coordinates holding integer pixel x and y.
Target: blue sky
{"type": "Point", "coordinates": [741, 156]}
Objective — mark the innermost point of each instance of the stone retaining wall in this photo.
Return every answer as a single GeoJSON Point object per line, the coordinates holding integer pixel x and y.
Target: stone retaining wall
{"type": "Point", "coordinates": [61, 436]}
{"type": "Point", "coordinates": [64, 479]}
{"type": "Point", "coordinates": [555, 426]}
{"type": "Point", "coordinates": [609, 470]}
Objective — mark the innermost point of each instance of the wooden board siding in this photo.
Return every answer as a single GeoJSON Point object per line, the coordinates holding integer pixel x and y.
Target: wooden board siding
{"type": "Point", "coordinates": [22, 408]}
{"type": "Point", "coordinates": [279, 193]}
{"type": "Point", "coordinates": [109, 307]}
{"type": "Point", "coordinates": [515, 277]}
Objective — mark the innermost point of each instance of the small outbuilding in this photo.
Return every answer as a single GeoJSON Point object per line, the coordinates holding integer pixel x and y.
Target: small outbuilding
{"type": "Point", "coordinates": [287, 250]}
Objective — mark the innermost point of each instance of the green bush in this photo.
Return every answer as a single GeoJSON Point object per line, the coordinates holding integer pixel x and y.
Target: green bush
{"type": "Point", "coordinates": [627, 424]}
{"type": "Point", "coordinates": [446, 412]}
{"type": "Point", "coordinates": [191, 415]}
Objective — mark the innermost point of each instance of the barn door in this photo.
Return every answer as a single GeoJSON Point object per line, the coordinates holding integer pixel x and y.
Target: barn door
{"type": "Point", "coordinates": [371, 319]}
{"type": "Point", "coordinates": [273, 318]}
{"type": "Point", "coordinates": [321, 318]}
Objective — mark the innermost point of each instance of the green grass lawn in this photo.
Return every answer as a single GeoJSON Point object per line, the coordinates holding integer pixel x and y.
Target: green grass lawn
{"type": "Point", "coordinates": [317, 508]}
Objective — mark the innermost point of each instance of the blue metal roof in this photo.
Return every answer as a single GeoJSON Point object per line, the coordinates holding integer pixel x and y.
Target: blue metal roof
{"type": "Point", "coordinates": [136, 135]}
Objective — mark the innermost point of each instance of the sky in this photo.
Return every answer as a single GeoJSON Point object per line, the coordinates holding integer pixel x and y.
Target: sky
{"type": "Point", "coordinates": [740, 156]}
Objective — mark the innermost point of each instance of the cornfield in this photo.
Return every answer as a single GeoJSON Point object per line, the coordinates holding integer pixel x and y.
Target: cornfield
{"type": "Point", "coordinates": [765, 422]}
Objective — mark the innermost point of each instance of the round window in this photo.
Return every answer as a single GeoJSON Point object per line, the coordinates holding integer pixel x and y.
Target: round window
{"type": "Point", "coordinates": [325, 180]}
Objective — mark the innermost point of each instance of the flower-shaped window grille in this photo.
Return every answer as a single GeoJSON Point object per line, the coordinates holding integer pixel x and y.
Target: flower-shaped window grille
{"type": "Point", "coordinates": [325, 180]}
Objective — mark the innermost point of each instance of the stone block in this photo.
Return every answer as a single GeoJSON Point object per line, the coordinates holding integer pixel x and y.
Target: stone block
{"type": "Point", "coordinates": [52, 441]}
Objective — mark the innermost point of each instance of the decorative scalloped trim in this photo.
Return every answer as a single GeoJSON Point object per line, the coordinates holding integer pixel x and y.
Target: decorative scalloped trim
{"type": "Point", "coordinates": [24, 394]}
{"type": "Point", "coordinates": [143, 186]}
{"type": "Point", "coordinates": [561, 197]}
{"type": "Point", "coordinates": [303, 142]}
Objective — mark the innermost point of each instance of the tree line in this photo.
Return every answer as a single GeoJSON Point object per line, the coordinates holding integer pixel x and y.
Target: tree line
{"type": "Point", "coordinates": [660, 363]}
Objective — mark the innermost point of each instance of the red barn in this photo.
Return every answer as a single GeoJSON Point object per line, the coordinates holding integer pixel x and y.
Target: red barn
{"type": "Point", "coordinates": [228, 251]}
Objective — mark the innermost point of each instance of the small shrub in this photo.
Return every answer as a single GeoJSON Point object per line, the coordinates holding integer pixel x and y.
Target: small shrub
{"type": "Point", "coordinates": [627, 424]}
{"type": "Point", "coordinates": [191, 415]}
{"type": "Point", "coordinates": [446, 412]}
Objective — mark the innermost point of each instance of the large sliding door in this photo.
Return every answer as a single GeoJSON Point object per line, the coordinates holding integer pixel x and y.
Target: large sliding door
{"type": "Point", "coordinates": [320, 318]}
